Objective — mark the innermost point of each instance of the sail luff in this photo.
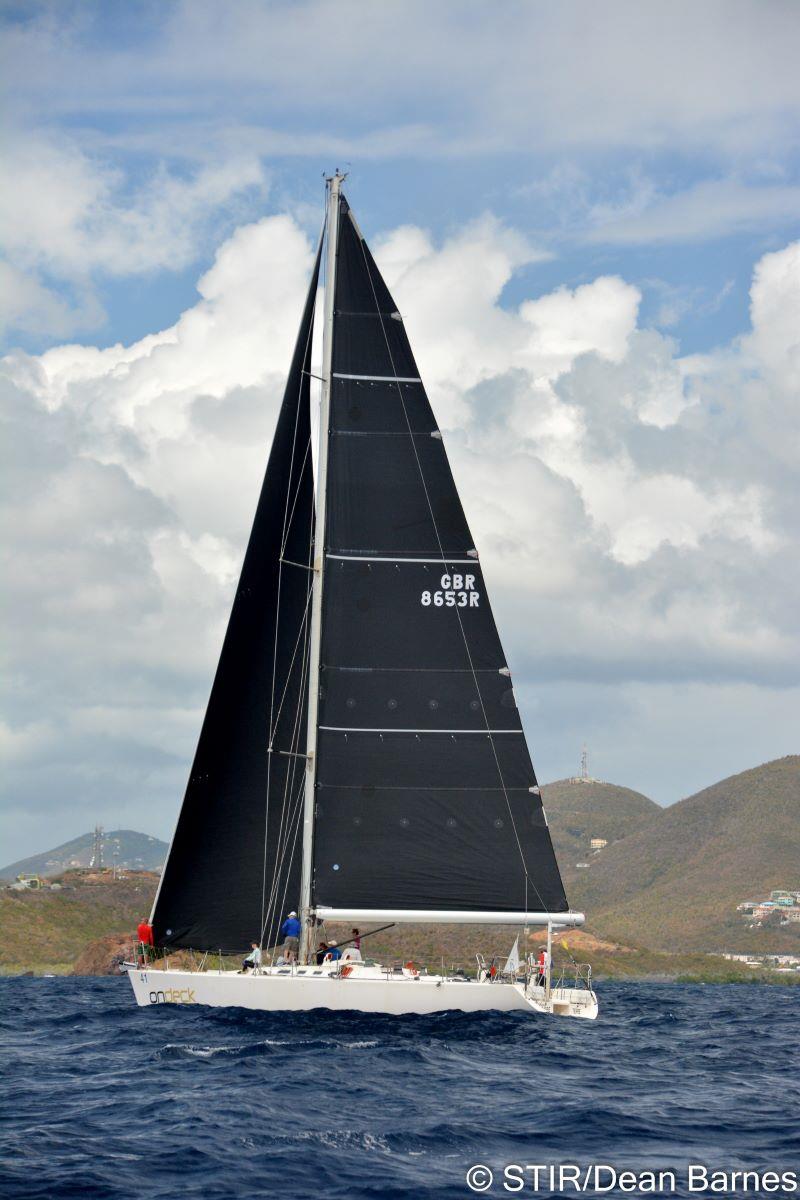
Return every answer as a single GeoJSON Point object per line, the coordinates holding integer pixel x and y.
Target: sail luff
{"type": "Point", "coordinates": [332, 226]}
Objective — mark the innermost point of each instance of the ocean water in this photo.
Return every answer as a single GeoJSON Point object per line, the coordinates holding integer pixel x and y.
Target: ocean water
{"type": "Point", "coordinates": [103, 1099]}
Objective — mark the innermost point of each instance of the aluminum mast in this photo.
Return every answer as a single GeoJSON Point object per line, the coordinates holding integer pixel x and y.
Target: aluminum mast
{"type": "Point", "coordinates": [332, 223]}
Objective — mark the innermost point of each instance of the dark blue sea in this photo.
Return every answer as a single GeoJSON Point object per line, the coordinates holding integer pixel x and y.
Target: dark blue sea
{"type": "Point", "coordinates": [103, 1099]}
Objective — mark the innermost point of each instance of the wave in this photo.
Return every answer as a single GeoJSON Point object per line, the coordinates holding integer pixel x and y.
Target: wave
{"type": "Point", "coordinates": [109, 1101]}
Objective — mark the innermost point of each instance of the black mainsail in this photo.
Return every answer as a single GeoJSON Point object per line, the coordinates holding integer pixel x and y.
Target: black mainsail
{"type": "Point", "coordinates": [362, 723]}
{"type": "Point", "coordinates": [234, 862]}
{"type": "Point", "coordinates": [426, 798]}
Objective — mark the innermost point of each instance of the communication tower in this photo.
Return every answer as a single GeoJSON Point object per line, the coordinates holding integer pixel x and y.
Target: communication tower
{"type": "Point", "coordinates": [97, 849]}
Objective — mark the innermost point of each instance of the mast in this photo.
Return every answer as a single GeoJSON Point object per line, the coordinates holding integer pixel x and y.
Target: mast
{"type": "Point", "coordinates": [332, 222]}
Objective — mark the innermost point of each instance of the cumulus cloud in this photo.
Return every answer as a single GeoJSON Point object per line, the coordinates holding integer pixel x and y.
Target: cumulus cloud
{"type": "Point", "coordinates": [72, 217]}
{"type": "Point", "coordinates": [634, 509]}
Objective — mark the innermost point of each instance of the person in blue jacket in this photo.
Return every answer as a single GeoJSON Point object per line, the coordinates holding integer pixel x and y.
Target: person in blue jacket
{"type": "Point", "coordinates": [334, 953]}
{"type": "Point", "coordinates": [291, 929]}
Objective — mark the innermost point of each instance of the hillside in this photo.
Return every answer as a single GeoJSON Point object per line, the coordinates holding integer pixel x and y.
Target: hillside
{"type": "Point", "coordinates": [668, 881]}
{"type": "Point", "coordinates": [578, 812]}
{"type": "Point", "coordinates": [674, 884]}
{"type": "Point", "coordinates": [136, 852]}
{"type": "Point", "coordinates": [50, 929]}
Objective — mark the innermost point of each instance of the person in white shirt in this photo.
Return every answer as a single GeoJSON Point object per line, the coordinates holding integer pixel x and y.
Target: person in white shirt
{"type": "Point", "coordinates": [253, 959]}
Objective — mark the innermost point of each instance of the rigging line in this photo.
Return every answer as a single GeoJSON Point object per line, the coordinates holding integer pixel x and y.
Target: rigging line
{"type": "Point", "coordinates": [303, 621]}
{"type": "Point", "coordinates": [270, 914]}
{"type": "Point", "coordinates": [287, 816]}
{"type": "Point", "coordinates": [291, 563]}
{"type": "Point", "coordinates": [290, 780]}
{"type": "Point", "coordinates": [309, 335]}
{"type": "Point", "coordinates": [458, 615]}
{"type": "Point", "coordinates": [294, 742]}
{"type": "Point", "coordinates": [268, 904]}
{"type": "Point", "coordinates": [270, 732]}
{"type": "Point", "coordinates": [284, 831]}
{"type": "Point", "coordinates": [285, 536]}
{"type": "Point", "coordinates": [293, 824]}
{"type": "Point", "coordinates": [287, 822]}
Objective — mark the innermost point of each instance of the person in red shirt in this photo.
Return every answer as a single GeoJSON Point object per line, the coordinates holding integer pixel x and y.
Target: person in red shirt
{"type": "Point", "coordinates": [542, 963]}
{"type": "Point", "coordinates": [144, 936]}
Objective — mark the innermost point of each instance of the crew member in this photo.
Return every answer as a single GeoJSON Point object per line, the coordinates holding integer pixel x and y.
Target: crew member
{"type": "Point", "coordinates": [542, 964]}
{"type": "Point", "coordinates": [321, 952]}
{"type": "Point", "coordinates": [356, 939]}
{"type": "Point", "coordinates": [334, 953]}
{"type": "Point", "coordinates": [291, 929]}
{"type": "Point", "coordinates": [253, 959]}
{"type": "Point", "coordinates": [144, 936]}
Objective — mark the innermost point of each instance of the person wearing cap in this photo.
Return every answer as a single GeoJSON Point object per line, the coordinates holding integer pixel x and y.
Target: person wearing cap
{"type": "Point", "coordinates": [291, 930]}
{"type": "Point", "coordinates": [334, 953]}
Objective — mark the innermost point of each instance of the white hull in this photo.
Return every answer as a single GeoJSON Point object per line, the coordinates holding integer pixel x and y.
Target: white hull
{"type": "Point", "coordinates": [367, 989]}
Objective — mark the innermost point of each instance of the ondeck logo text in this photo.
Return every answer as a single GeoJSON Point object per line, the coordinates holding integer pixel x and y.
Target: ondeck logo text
{"type": "Point", "coordinates": [173, 996]}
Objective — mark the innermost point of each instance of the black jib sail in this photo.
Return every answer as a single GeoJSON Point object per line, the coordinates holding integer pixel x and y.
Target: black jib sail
{"type": "Point", "coordinates": [234, 863]}
{"type": "Point", "coordinates": [426, 798]}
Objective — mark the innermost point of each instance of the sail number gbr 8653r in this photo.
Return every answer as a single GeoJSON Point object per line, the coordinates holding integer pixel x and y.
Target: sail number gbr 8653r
{"type": "Point", "coordinates": [457, 591]}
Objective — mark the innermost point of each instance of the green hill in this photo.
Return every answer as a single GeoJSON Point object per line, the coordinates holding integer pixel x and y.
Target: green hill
{"type": "Point", "coordinates": [48, 929]}
{"type": "Point", "coordinates": [578, 811]}
{"type": "Point", "coordinates": [674, 884]}
{"type": "Point", "coordinates": [136, 852]}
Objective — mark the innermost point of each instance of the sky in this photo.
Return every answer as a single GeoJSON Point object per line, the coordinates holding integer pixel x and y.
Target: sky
{"type": "Point", "coordinates": [590, 218]}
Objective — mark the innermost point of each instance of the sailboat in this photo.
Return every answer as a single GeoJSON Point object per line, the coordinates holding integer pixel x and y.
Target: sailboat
{"type": "Point", "coordinates": [361, 759]}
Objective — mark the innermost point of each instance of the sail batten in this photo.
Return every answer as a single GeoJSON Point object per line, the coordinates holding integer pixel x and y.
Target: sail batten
{"type": "Point", "coordinates": [379, 378]}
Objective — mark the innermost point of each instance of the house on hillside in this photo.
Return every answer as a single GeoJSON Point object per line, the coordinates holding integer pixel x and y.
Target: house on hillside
{"type": "Point", "coordinates": [781, 900]}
